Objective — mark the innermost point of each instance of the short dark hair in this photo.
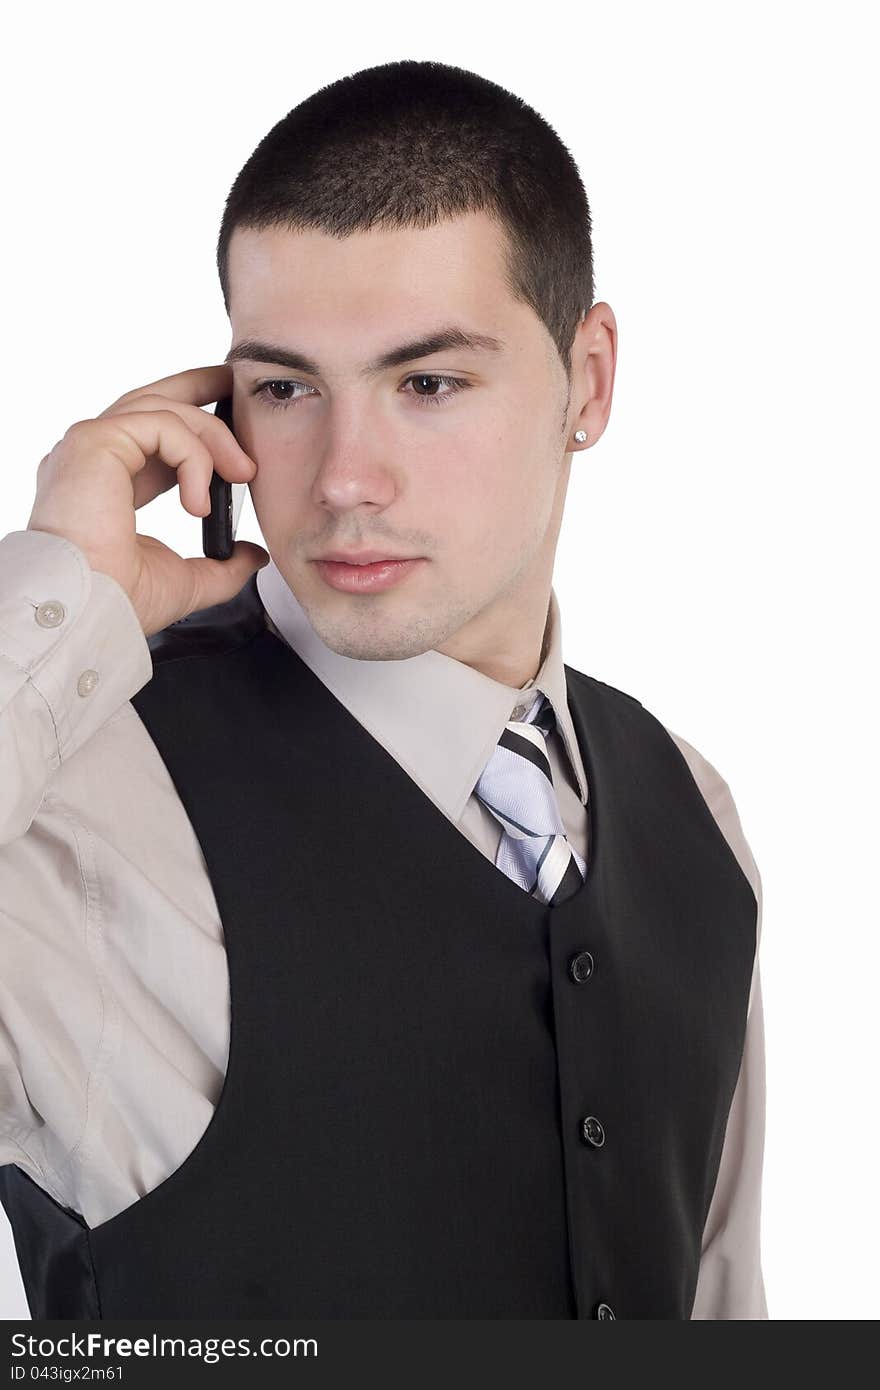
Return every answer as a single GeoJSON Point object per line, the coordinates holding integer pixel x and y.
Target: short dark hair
{"type": "Point", "coordinates": [411, 143]}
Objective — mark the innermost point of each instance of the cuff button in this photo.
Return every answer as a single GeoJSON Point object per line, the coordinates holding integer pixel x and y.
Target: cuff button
{"type": "Point", "coordinates": [50, 614]}
{"type": "Point", "coordinates": [87, 682]}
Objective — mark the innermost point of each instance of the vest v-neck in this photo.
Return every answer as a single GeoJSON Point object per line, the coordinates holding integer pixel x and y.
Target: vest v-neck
{"type": "Point", "coordinates": [452, 841]}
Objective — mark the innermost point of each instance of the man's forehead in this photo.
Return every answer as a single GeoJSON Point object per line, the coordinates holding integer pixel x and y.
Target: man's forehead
{"type": "Point", "coordinates": [295, 296]}
{"type": "Point", "coordinates": [467, 247]}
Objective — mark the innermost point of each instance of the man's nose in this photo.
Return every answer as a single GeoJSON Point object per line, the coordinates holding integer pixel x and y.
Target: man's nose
{"type": "Point", "coordinates": [354, 471]}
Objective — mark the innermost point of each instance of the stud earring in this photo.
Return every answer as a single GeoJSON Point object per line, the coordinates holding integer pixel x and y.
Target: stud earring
{"type": "Point", "coordinates": [581, 436]}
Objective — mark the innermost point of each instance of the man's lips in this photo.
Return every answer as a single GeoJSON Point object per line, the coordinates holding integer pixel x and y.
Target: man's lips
{"type": "Point", "coordinates": [367, 576]}
{"type": "Point", "coordinates": [362, 557]}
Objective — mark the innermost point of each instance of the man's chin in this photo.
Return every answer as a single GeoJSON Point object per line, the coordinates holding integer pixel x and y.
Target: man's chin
{"type": "Point", "coordinates": [367, 630]}
{"type": "Point", "coordinates": [360, 646]}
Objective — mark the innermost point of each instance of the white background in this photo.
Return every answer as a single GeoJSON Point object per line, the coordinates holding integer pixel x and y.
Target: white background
{"type": "Point", "coordinates": [714, 558]}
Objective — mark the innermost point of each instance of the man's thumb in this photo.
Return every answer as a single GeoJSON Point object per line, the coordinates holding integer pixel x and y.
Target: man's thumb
{"type": "Point", "coordinates": [248, 557]}
{"type": "Point", "coordinates": [220, 580]}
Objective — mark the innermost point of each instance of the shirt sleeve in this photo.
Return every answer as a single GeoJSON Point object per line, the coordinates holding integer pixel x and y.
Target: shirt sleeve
{"type": "Point", "coordinates": [72, 651]}
{"type": "Point", "coordinates": [730, 1283]}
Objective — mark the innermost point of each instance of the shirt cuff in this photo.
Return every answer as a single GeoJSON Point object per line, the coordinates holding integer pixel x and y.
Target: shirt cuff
{"type": "Point", "coordinates": [71, 632]}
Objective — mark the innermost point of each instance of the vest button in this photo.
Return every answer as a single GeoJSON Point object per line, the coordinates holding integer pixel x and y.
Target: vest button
{"type": "Point", "coordinates": [604, 1310]}
{"type": "Point", "coordinates": [581, 967]}
{"type": "Point", "coordinates": [593, 1132]}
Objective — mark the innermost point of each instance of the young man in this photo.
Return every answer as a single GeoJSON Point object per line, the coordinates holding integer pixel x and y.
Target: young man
{"type": "Point", "coordinates": [363, 959]}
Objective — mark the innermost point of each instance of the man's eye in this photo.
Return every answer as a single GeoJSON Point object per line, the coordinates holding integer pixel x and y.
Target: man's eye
{"type": "Point", "coordinates": [272, 401]}
{"type": "Point", "coordinates": [455, 384]}
{"type": "Point", "coordinates": [431, 395]}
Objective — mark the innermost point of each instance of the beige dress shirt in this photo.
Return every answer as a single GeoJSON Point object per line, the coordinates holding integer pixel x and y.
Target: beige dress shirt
{"type": "Point", "coordinates": [114, 991]}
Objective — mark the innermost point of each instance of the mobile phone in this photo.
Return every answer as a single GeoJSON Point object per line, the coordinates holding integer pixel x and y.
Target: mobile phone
{"type": "Point", "coordinates": [221, 523]}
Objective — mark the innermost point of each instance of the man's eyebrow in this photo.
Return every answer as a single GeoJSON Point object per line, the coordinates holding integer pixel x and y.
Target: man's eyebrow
{"type": "Point", "coordinates": [442, 340]}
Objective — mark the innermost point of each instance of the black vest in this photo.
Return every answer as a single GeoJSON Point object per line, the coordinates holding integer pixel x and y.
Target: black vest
{"type": "Point", "coordinates": [429, 1110]}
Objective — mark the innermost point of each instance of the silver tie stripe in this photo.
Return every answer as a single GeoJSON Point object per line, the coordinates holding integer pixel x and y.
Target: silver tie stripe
{"type": "Point", "coordinates": [517, 787]}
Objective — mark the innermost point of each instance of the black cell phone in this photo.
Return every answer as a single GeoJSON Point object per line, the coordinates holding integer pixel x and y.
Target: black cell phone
{"type": "Point", "coordinates": [221, 523]}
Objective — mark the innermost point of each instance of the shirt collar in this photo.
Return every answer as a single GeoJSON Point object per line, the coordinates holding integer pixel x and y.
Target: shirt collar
{"type": "Point", "coordinates": [438, 717]}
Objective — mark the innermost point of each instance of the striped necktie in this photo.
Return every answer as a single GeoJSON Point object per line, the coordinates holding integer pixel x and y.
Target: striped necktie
{"type": "Point", "coordinates": [517, 787]}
